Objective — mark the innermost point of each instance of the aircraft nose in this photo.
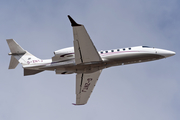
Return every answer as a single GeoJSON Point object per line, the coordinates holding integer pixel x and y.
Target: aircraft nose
{"type": "Point", "coordinates": [165, 53]}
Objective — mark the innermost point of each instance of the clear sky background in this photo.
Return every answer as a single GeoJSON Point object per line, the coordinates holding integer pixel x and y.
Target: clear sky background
{"type": "Point", "coordinates": [145, 91]}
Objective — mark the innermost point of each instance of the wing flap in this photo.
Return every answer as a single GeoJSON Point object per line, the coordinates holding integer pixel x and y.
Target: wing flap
{"type": "Point", "coordinates": [77, 51]}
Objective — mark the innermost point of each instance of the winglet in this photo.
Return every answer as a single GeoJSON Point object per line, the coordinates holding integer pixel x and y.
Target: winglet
{"type": "Point", "coordinates": [73, 23]}
{"type": "Point", "coordinates": [77, 104]}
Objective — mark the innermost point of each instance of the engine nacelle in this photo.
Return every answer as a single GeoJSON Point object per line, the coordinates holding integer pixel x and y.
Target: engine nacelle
{"type": "Point", "coordinates": [63, 54]}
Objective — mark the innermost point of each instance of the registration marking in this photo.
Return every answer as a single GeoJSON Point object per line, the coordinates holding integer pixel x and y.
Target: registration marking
{"type": "Point", "coordinates": [34, 61]}
{"type": "Point", "coordinates": [86, 85]}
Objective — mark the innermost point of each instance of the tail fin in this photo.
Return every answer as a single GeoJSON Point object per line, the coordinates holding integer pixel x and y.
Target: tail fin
{"type": "Point", "coordinates": [18, 54]}
{"type": "Point", "coordinates": [14, 47]}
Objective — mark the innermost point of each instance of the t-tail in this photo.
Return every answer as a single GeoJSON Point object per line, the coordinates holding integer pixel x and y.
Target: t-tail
{"type": "Point", "coordinates": [19, 55]}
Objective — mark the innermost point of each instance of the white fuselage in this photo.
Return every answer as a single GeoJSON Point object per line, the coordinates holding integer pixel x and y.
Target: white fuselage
{"type": "Point", "coordinates": [64, 61]}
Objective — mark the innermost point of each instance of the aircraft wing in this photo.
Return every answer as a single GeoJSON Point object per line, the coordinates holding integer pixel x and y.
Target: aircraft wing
{"type": "Point", "coordinates": [84, 49]}
{"type": "Point", "coordinates": [84, 86]}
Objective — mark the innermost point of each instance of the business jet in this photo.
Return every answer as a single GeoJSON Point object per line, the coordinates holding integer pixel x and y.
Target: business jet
{"type": "Point", "coordinates": [82, 59]}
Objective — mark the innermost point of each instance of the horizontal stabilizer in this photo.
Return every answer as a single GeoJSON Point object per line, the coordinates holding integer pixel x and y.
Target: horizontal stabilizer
{"type": "Point", "coordinates": [13, 63]}
{"type": "Point", "coordinates": [31, 72]}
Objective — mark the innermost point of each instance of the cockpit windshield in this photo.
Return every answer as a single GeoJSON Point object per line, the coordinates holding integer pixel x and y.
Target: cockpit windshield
{"type": "Point", "coordinates": [146, 47]}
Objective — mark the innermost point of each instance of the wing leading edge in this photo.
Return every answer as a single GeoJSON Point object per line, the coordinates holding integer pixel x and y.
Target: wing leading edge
{"type": "Point", "coordinates": [84, 86]}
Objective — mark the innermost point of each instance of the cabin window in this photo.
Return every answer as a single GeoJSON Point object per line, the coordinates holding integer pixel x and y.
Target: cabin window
{"type": "Point", "coordinates": [106, 51]}
{"type": "Point", "coordinates": [112, 50]}
{"type": "Point", "coordinates": [101, 52]}
{"type": "Point", "coordinates": [124, 49]}
{"type": "Point", "coordinates": [117, 49]}
{"type": "Point", "coordinates": [129, 48]}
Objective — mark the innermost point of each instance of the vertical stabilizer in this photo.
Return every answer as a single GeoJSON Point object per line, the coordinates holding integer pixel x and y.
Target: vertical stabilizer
{"type": "Point", "coordinates": [19, 55]}
{"type": "Point", "coordinates": [14, 47]}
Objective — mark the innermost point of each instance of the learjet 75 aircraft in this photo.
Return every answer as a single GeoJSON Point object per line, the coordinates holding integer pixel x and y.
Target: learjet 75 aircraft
{"type": "Point", "coordinates": [82, 59]}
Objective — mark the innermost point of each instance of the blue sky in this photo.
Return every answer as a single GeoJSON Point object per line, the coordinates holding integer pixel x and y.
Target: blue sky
{"type": "Point", "coordinates": [139, 91]}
